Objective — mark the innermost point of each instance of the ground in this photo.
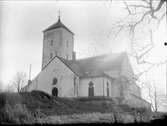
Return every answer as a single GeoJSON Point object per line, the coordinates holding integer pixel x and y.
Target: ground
{"type": "Point", "coordinates": [39, 107]}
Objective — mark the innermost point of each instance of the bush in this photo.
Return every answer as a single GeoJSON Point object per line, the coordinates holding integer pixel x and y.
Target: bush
{"type": "Point", "coordinates": [2, 100]}
{"type": "Point", "coordinates": [11, 97]}
{"type": "Point", "coordinates": [17, 114]}
{"type": "Point", "coordinates": [38, 114]}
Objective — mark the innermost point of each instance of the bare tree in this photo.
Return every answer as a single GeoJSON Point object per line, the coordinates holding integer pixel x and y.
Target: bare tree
{"type": "Point", "coordinates": [156, 98]}
{"type": "Point", "coordinates": [1, 87]}
{"type": "Point", "coordinates": [9, 87]}
{"type": "Point", "coordinates": [140, 15]}
{"type": "Point", "coordinates": [142, 11]}
{"type": "Point", "coordinates": [145, 10]}
{"type": "Point", "coordinates": [20, 79]}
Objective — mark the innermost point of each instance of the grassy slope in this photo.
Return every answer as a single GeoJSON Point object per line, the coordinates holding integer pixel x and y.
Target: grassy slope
{"type": "Point", "coordinates": [52, 105]}
{"type": "Point", "coordinates": [40, 103]}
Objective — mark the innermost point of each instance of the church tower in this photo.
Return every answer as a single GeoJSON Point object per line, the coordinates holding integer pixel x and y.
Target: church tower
{"type": "Point", "coordinates": [58, 40]}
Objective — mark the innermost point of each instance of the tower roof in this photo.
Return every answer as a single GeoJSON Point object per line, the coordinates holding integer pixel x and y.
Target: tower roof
{"type": "Point", "coordinates": [58, 24]}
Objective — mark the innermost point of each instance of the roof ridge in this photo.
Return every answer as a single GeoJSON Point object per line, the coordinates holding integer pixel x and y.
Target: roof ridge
{"type": "Point", "coordinates": [107, 54]}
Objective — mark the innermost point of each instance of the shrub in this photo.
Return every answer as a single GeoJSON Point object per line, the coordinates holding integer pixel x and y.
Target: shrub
{"type": "Point", "coordinates": [38, 113]}
{"type": "Point", "coordinates": [17, 114]}
{"type": "Point", "coordinates": [2, 100]}
{"type": "Point", "coordinates": [11, 97]}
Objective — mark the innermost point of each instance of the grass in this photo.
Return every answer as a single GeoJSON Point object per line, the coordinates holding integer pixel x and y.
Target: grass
{"type": "Point", "coordinates": [31, 107]}
{"type": "Point", "coordinates": [15, 114]}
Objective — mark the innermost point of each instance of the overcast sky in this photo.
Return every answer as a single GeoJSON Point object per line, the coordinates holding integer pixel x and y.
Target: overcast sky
{"type": "Point", "coordinates": [22, 23]}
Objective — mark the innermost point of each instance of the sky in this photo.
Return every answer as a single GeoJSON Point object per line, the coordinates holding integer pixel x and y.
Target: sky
{"type": "Point", "coordinates": [22, 23]}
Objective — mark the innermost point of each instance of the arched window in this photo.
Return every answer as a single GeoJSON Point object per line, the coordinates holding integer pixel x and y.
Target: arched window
{"type": "Point", "coordinates": [107, 89]}
{"type": "Point", "coordinates": [55, 91]}
{"type": "Point", "coordinates": [54, 81]}
{"type": "Point", "coordinates": [91, 89]}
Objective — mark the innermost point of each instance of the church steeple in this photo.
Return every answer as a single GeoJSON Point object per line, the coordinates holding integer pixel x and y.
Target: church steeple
{"type": "Point", "coordinates": [58, 24]}
{"type": "Point", "coordinates": [58, 41]}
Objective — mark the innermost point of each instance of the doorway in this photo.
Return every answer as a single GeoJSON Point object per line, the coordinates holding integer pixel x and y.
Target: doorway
{"type": "Point", "coordinates": [55, 91]}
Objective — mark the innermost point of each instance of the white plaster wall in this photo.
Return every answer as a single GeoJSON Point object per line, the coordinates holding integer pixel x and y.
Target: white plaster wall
{"type": "Point", "coordinates": [64, 75]}
{"type": "Point", "coordinates": [84, 85]}
{"type": "Point", "coordinates": [115, 88]}
{"type": "Point", "coordinates": [100, 86]}
{"type": "Point", "coordinates": [76, 92]}
{"type": "Point", "coordinates": [33, 85]}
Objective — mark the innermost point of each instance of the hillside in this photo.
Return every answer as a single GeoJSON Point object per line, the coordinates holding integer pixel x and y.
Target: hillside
{"type": "Point", "coordinates": [38, 105]}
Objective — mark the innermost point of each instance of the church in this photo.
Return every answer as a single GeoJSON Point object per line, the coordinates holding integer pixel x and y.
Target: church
{"type": "Point", "coordinates": [62, 75]}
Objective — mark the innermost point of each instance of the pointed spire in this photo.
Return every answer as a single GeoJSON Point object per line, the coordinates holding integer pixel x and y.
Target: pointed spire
{"type": "Point", "coordinates": [57, 24]}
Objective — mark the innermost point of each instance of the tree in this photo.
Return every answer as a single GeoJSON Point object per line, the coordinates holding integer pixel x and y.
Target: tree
{"type": "Point", "coordinates": [141, 16]}
{"type": "Point", "coordinates": [147, 10]}
{"type": "Point", "coordinates": [1, 87]}
{"type": "Point", "coordinates": [9, 88]}
{"type": "Point", "coordinates": [156, 98]}
{"type": "Point", "coordinates": [20, 79]}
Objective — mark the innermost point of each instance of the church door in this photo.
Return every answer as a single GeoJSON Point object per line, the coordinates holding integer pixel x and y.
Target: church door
{"type": "Point", "coordinates": [55, 91]}
{"type": "Point", "coordinates": [91, 89]}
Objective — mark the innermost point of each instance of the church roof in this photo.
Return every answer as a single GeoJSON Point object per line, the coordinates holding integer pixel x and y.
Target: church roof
{"type": "Point", "coordinates": [95, 66]}
{"type": "Point", "coordinates": [58, 24]}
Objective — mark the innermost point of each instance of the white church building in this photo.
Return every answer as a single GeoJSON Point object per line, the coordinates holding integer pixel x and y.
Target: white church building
{"type": "Point", "coordinates": [63, 75]}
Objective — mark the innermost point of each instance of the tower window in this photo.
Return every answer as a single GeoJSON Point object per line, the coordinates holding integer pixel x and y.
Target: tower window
{"type": "Point", "coordinates": [54, 81]}
{"type": "Point", "coordinates": [107, 89]}
{"type": "Point", "coordinates": [51, 43]}
{"type": "Point", "coordinates": [51, 55]}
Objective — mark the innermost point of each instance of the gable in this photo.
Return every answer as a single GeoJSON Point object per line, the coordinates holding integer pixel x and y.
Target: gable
{"type": "Point", "coordinates": [56, 64]}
